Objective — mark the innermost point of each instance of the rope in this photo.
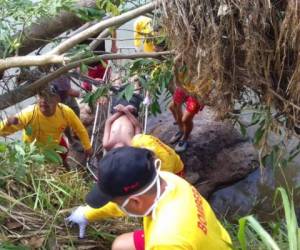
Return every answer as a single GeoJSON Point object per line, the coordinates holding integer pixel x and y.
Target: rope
{"type": "Point", "coordinates": [97, 121]}
{"type": "Point", "coordinates": [146, 119]}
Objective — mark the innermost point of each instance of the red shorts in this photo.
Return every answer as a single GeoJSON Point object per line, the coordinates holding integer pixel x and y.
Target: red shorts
{"type": "Point", "coordinates": [192, 104]}
{"type": "Point", "coordinates": [97, 71]}
{"type": "Point", "coordinates": [63, 143]}
{"type": "Point", "coordinates": [139, 239]}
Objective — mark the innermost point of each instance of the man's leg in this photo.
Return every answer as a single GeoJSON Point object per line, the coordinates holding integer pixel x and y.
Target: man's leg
{"type": "Point", "coordinates": [187, 124]}
{"type": "Point", "coordinates": [175, 107]}
{"type": "Point", "coordinates": [64, 156]}
{"type": "Point", "coordinates": [192, 108]}
{"type": "Point", "coordinates": [130, 241]}
{"type": "Point", "coordinates": [177, 113]}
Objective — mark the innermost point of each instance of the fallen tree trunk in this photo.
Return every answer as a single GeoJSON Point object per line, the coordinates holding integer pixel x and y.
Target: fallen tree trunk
{"type": "Point", "coordinates": [45, 30]}
{"type": "Point", "coordinates": [24, 92]}
{"type": "Point", "coordinates": [52, 56]}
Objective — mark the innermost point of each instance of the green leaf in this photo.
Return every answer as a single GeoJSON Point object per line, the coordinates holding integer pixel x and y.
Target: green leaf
{"type": "Point", "coordinates": [83, 68]}
{"type": "Point", "coordinates": [128, 92]}
{"type": "Point", "coordinates": [290, 218]}
{"type": "Point", "coordinates": [258, 135]}
{"type": "Point", "coordinates": [38, 158]}
{"type": "Point", "coordinates": [20, 150]}
{"type": "Point", "coordinates": [262, 233]}
{"type": "Point", "coordinates": [242, 129]}
{"type": "Point", "coordinates": [89, 14]}
{"type": "Point", "coordinates": [28, 130]}
{"type": "Point", "coordinates": [52, 156]}
{"type": "Point", "coordinates": [3, 147]}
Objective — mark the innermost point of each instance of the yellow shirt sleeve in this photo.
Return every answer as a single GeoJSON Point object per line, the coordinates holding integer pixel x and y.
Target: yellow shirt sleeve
{"type": "Point", "coordinates": [24, 118]}
{"type": "Point", "coordinates": [109, 210]}
{"type": "Point", "coordinates": [75, 123]}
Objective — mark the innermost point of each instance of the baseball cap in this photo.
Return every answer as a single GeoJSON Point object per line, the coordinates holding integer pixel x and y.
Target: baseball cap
{"type": "Point", "coordinates": [123, 171]}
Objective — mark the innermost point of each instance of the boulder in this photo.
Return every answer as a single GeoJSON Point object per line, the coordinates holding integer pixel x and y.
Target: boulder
{"type": "Point", "coordinates": [218, 155]}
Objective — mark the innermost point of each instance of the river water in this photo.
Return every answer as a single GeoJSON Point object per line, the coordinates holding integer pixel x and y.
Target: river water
{"type": "Point", "coordinates": [255, 193]}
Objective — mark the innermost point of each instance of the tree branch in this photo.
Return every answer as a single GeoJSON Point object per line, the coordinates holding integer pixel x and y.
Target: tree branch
{"type": "Point", "coordinates": [24, 92]}
{"type": "Point", "coordinates": [21, 61]}
{"type": "Point", "coordinates": [97, 28]}
{"type": "Point", "coordinates": [53, 55]}
{"type": "Point", "coordinates": [44, 30]}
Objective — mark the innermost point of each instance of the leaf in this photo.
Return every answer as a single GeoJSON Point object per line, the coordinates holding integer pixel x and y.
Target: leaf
{"type": "Point", "coordinates": [38, 158]}
{"type": "Point", "coordinates": [3, 147]}
{"type": "Point", "coordinates": [20, 150]}
{"type": "Point", "coordinates": [52, 156]}
{"type": "Point", "coordinates": [155, 108]}
{"type": "Point", "coordinates": [128, 92]}
{"type": "Point", "coordinates": [28, 130]}
{"type": "Point", "coordinates": [261, 232]}
{"type": "Point", "coordinates": [243, 129]}
{"type": "Point", "coordinates": [83, 68]}
{"type": "Point", "coordinates": [290, 218]}
{"type": "Point", "coordinates": [258, 135]}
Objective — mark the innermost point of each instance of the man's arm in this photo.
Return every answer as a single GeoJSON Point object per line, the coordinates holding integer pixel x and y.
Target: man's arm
{"type": "Point", "coordinates": [107, 144]}
{"type": "Point", "coordinates": [109, 210]}
{"type": "Point", "coordinates": [85, 214]}
{"type": "Point", "coordinates": [136, 124]}
{"type": "Point", "coordinates": [79, 129]}
{"type": "Point", "coordinates": [16, 122]}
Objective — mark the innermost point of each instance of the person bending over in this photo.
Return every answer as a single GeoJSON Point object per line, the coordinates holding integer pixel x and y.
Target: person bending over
{"type": "Point", "coordinates": [184, 120]}
{"type": "Point", "coordinates": [175, 215]}
{"type": "Point", "coordinates": [46, 121]}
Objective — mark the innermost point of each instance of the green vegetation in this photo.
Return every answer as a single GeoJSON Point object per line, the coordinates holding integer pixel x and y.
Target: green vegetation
{"type": "Point", "coordinates": [36, 193]}
{"type": "Point", "coordinates": [34, 205]}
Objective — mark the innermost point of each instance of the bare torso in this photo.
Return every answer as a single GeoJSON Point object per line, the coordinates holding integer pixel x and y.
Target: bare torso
{"type": "Point", "coordinates": [122, 131]}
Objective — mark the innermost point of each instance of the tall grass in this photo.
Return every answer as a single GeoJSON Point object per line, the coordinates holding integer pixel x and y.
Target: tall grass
{"type": "Point", "coordinates": [280, 234]}
{"type": "Point", "coordinates": [34, 203]}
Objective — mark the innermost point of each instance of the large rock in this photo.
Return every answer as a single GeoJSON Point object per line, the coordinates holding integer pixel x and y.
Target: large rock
{"type": "Point", "coordinates": [217, 156]}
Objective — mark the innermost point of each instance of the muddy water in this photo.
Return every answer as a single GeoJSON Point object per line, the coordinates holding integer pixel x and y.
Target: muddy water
{"type": "Point", "coordinates": [255, 193]}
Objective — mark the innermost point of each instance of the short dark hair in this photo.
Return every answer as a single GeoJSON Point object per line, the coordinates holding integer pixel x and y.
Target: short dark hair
{"type": "Point", "coordinates": [49, 91]}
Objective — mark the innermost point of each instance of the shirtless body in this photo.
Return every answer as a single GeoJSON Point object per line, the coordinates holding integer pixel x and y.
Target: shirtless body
{"type": "Point", "coordinates": [120, 128]}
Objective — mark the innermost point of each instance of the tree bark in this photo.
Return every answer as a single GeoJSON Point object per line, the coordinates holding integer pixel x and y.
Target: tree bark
{"type": "Point", "coordinates": [98, 27]}
{"type": "Point", "coordinates": [45, 30]}
{"type": "Point", "coordinates": [53, 55]}
{"type": "Point", "coordinates": [24, 92]}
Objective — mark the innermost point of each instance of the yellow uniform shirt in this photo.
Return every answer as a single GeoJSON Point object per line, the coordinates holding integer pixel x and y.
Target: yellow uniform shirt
{"type": "Point", "coordinates": [142, 26]}
{"type": "Point", "coordinates": [182, 219]}
{"type": "Point", "coordinates": [47, 129]}
{"type": "Point", "coordinates": [170, 161]}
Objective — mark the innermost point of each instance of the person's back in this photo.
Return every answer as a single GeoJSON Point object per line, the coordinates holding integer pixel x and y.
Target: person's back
{"type": "Point", "coordinates": [183, 219]}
